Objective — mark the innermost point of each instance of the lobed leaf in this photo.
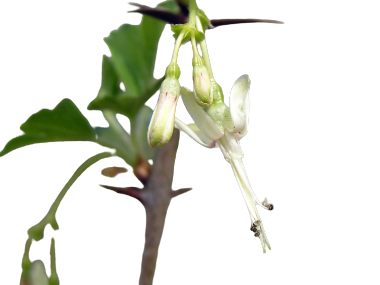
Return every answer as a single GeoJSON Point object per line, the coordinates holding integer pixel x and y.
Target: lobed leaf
{"type": "Point", "coordinates": [64, 123]}
{"type": "Point", "coordinates": [133, 49]}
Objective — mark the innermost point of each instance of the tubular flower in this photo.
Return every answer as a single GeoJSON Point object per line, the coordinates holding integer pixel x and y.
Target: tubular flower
{"type": "Point", "coordinates": [162, 122]}
{"type": "Point", "coordinates": [225, 127]}
{"type": "Point", "coordinates": [202, 83]}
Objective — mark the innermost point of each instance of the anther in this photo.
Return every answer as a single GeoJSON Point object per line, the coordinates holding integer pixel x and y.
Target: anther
{"type": "Point", "coordinates": [267, 205]}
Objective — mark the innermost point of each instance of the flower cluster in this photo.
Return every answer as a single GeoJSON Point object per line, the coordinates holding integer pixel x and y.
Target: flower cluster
{"type": "Point", "coordinates": [215, 124]}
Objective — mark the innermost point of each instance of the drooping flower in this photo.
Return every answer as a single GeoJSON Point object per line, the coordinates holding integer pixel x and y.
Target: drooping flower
{"type": "Point", "coordinates": [162, 122]}
{"type": "Point", "coordinates": [225, 126]}
{"type": "Point", "coordinates": [202, 83]}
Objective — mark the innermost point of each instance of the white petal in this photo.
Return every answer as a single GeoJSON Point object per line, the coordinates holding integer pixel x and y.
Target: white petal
{"type": "Point", "coordinates": [201, 119]}
{"type": "Point", "coordinates": [245, 110]}
{"type": "Point", "coordinates": [231, 145]}
{"type": "Point", "coordinates": [192, 134]}
{"type": "Point", "coordinates": [238, 166]}
{"type": "Point", "coordinates": [249, 197]}
{"type": "Point", "coordinates": [239, 104]}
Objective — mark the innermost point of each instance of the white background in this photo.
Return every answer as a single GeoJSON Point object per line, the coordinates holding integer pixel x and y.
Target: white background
{"type": "Point", "coordinates": [332, 142]}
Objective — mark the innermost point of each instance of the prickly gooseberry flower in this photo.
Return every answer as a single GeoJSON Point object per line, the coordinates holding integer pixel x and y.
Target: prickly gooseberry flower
{"type": "Point", "coordinates": [225, 126]}
{"type": "Point", "coordinates": [162, 122]}
{"type": "Point", "coordinates": [202, 83]}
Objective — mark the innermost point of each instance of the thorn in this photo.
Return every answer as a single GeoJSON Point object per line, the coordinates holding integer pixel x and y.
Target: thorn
{"type": "Point", "coordinates": [160, 13]}
{"type": "Point", "coordinates": [223, 22]}
{"type": "Point", "coordinates": [130, 191]}
{"type": "Point", "coordinates": [138, 5]}
{"type": "Point", "coordinates": [180, 191]}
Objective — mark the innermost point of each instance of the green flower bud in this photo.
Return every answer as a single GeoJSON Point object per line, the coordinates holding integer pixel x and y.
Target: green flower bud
{"type": "Point", "coordinates": [202, 83]}
{"type": "Point", "coordinates": [173, 70]}
{"type": "Point", "coordinates": [162, 122]}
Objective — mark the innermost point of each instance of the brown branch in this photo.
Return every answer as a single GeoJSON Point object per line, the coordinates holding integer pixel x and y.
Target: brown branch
{"type": "Point", "coordinates": [157, 196]}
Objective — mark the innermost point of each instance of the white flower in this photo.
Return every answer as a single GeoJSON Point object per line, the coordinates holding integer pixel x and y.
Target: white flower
{"type": "Point", "coordinates": [225, 127]}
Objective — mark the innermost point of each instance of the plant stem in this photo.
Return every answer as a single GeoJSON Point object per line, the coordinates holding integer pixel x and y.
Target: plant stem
{"type": "Point", "coordinates": [204, 50]}
{"type": "Point", "coordinates": [177, 45]}
{"type": "Point", "coordinates": [156, 197]}
{"type": "Point", "coordinates": [192, 11]}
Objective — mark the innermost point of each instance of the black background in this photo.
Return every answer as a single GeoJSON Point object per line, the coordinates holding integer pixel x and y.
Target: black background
{"type": "Point", "coordinates": [58, 55]}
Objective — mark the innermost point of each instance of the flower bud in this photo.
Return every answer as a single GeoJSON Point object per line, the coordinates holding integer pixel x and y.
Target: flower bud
{"type": "Point", "coordinates": [202, 83]}
{"type": "Point", "coordinates": [173, 70]}
{"type": "Point", "coordinates": [162, 122]}
{"type": "Point", "coordinates": [38, 273]}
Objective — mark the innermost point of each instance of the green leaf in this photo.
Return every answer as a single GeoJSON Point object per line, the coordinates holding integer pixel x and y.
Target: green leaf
{"type": "Point", "coordinates": [64, 123]}
{"type": "Point", "coordinates": [152, 30]}
{"type": "Point", "coordinates": [139, 132]}
{"type": "Point", "coordinates": [128, 58]}
{"type": "Point", "coordinates": [109, 138]}
{"type": "Point", "coordinates": [133, 49]}
{"type": "Point", "coordinates": [121, 103]}
{"type": "Point", "coordinates": [110, 79]}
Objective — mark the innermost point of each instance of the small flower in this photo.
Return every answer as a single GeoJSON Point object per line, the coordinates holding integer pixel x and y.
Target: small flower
{"type": "Point", "coordinates": [162, 122]}
{"type": "Point", "coordinates": [202, 83]}
{"type": "Point", "coordinates": [225, 127]}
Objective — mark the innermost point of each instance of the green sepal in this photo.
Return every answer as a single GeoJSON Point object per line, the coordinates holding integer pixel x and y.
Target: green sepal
{"type": "Point", "coordinates": [178, 29]}
{"type": "Point", "coordinates": [199, 36]}
{"type": "Point", "coordinates": [188, 31]}
{"type": "Point", "coordinates": [220, 114]}
{"type": "Point", "coordinates": [173, 70]}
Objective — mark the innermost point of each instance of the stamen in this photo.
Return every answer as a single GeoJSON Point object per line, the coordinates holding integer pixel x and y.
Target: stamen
{"type": "Point", "coordinates": [257, 234]}
{"type": "Point", "coordinates": [267, 205]}
{"type": "Point", "coordinates": [254, 226]}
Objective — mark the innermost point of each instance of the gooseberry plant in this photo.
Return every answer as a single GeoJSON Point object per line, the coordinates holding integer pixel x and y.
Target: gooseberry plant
{"type": "Point", "coordinates": [150, 146]}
